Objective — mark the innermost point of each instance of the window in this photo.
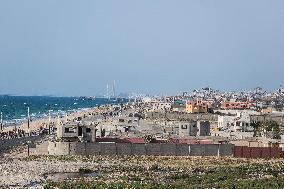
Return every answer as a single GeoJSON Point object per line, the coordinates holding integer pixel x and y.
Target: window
{"type": "Point", "coordinates": [88, 130]}
{"type": "Point", "coordinates": [121, 120]}
{"type": "Point", "coordinates": [70, 130]}
{"type": "Point", "coordinates": [184, 126]}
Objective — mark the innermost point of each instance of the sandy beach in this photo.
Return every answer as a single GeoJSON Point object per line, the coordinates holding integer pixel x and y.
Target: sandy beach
{"type": "Point", "coordinates": [36, 124]}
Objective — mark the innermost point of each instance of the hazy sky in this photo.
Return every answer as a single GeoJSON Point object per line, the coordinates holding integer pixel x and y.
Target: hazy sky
{"type": "Point", "coordinates": [76, 47]}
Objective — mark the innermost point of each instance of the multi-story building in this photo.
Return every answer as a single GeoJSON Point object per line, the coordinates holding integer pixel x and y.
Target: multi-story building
{"type": "Point", "coordinates": [237, 105]}
{"type": "Point", "coordinates": [196, 107]}
{"type": "Point", "coordinates": [193, 128]}
{"type": "Point", "coordinates": [240, 122]}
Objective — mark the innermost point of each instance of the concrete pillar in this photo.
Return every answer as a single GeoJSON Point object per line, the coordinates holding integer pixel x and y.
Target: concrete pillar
{"type": "Point", "coordinates": [94, 134]}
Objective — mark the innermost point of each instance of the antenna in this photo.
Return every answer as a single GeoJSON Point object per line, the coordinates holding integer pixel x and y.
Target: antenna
{"type": "Point", "coordinates": [113, 88]}
{"type": "Point", "coordinates": [107, 92]}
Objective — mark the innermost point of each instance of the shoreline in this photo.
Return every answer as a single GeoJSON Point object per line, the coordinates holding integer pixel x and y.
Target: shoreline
{"type": "Point", "coordinates": [35, 124]}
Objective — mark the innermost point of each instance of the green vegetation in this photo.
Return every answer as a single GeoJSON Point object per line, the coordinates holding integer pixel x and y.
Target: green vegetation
{"type": "Point", "coordinates": [149, 138]}
{"type": "Point", "coordinates": [180, 173]}
{"type": "Point", "coordinates": [85, 171]}
{"type": "Point", "coordinates": [267, 127]}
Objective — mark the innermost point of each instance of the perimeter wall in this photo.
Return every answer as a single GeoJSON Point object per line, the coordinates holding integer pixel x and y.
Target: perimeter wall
{"type": "Point", "coordinates": [162, 149]}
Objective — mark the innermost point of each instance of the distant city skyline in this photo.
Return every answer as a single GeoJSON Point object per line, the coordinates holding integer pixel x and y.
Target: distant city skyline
{"type": "Point", "coordinates": [72, 48]}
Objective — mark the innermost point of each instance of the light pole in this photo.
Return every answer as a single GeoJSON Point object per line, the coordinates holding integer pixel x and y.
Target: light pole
{"type": "Point", "coordinates": [28, 111]}
{"type": "Point", "coordinates": [1, 121]}
{"type": "Point", "coordinates": [29, 120]}
{"type": "Point", "coordinates": [49, 120]}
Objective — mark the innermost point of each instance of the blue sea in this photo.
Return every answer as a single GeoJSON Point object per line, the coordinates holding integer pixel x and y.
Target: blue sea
{"type": "Point", "coordinates": [14, 108]}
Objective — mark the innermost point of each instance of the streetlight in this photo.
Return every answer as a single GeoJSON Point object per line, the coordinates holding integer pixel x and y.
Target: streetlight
{"type": "Point", "coordinates": [1, 121]}
{"type": "Point", "coordinates": [28, 109]}
{"type": "Point", "coordinates": [29, 120]}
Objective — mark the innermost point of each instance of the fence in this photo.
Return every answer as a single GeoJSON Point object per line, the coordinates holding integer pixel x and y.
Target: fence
{"type": "Point", "coordinates": [257, 152]}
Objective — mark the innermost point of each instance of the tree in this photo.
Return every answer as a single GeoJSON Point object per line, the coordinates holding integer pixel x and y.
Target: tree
{"type": "Point", "coordinates": [272, 127]}
{"type": "Point", "coordinates": [149, 138]}
{"type": "Point", "coordinates": [256, 128]}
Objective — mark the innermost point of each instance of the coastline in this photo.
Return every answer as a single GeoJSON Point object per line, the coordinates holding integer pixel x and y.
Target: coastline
{"type": "Point", "coordinates": [35, 124]}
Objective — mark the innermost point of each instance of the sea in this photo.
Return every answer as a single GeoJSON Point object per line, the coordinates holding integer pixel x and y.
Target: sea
{"type": "Point", "coordinates": [15, 108]}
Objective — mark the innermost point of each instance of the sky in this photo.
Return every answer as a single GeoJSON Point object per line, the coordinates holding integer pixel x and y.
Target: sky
{"type": "Point", "coordinates": [71, 47]}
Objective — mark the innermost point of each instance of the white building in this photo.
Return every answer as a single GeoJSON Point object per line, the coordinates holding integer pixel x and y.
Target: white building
{"type": "Point", "coordinates": [162, 106]}
{"type": "Point", "coordinates": [187, 129]}
{"type": "Point", "coordinates": [237, 123]}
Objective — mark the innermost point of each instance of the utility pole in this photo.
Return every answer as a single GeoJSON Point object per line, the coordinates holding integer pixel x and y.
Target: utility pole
{"type": "Point", "coordinates": [1, 121]}
{"type": "Point", "coordinates": [58, 121]}
{"type": "Point", "coordinates": [49, 120]}
{"type": "Point", "coordinates": [28, 120]}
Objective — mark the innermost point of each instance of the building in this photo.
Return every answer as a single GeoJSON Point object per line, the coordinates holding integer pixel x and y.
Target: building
{"type": "Point", "coordinates": [162, 106]}
{"type": "Point", "coordinates": [187, 129]}
{"type": "Point", "coordinates": [74, 132]}
{"type": "Point", "coordinates": [124, 124]}
{"type": "Point", "coordinates": [267, 110]}
{"type": "Point", "coordinates": [178, 108]}
{"type": "Point", "coordinates": [237, 105]}
{"type": "Point", "coordinates": [193, 128]}
{"type": "Point", "coordinates": [203, 128]}
{"type": "Point", "coordinates": [237, 123]}
{"type": "Point", "coordinates": [196, 107]}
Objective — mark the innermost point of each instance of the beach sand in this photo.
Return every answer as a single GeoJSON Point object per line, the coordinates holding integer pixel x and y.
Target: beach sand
{"type": "Point", "coordinates": [36, 124]}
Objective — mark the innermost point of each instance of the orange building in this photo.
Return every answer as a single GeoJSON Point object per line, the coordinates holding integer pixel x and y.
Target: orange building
{"type": "Point", "coordinates": [237, 105]}
{"type": "Point", "coordinates": [196, 107]}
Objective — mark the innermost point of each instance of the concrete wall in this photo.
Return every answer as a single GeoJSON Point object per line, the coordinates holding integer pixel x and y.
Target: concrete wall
{"type": "Point", "coordinates": [163, 149]}
{"type": "Point", "coordinates": [9, 143]}
{"type": "Point", "coordinates": [182, 116]}
{"type": "Point", "coordinates": [138, 149]}
{"type": "Point", "coordinates": [39, 149]}
{"type": "Point", "coordinates": [209, 117]}
{"type": "Point", "coordinates": [93, 148]}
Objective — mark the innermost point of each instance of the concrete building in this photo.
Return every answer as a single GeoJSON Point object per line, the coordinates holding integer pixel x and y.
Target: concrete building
{"type": "Point", "coordinates": [124, 124]}
{"type": "Point", "coordinates": [196, 107]}
{"type": "Point", "coordinates": [225, 122]}
{"type": "Point", "coordinates": [187, 129]}
{"type": "Point", "coordinates": [74, 132]}
{"type": "Point", "coordinates": [203, 128]}
{"type": "Point", "coordinates": [162, 106]}
{"type": "Point", "coordinates": [178, 108]}
{"type": "Point", "coordinates": [237, 123]}
{"type": "Point", "coordinates": [237, 105]}
{"type": "Point", "coordinates": [267, 110]}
